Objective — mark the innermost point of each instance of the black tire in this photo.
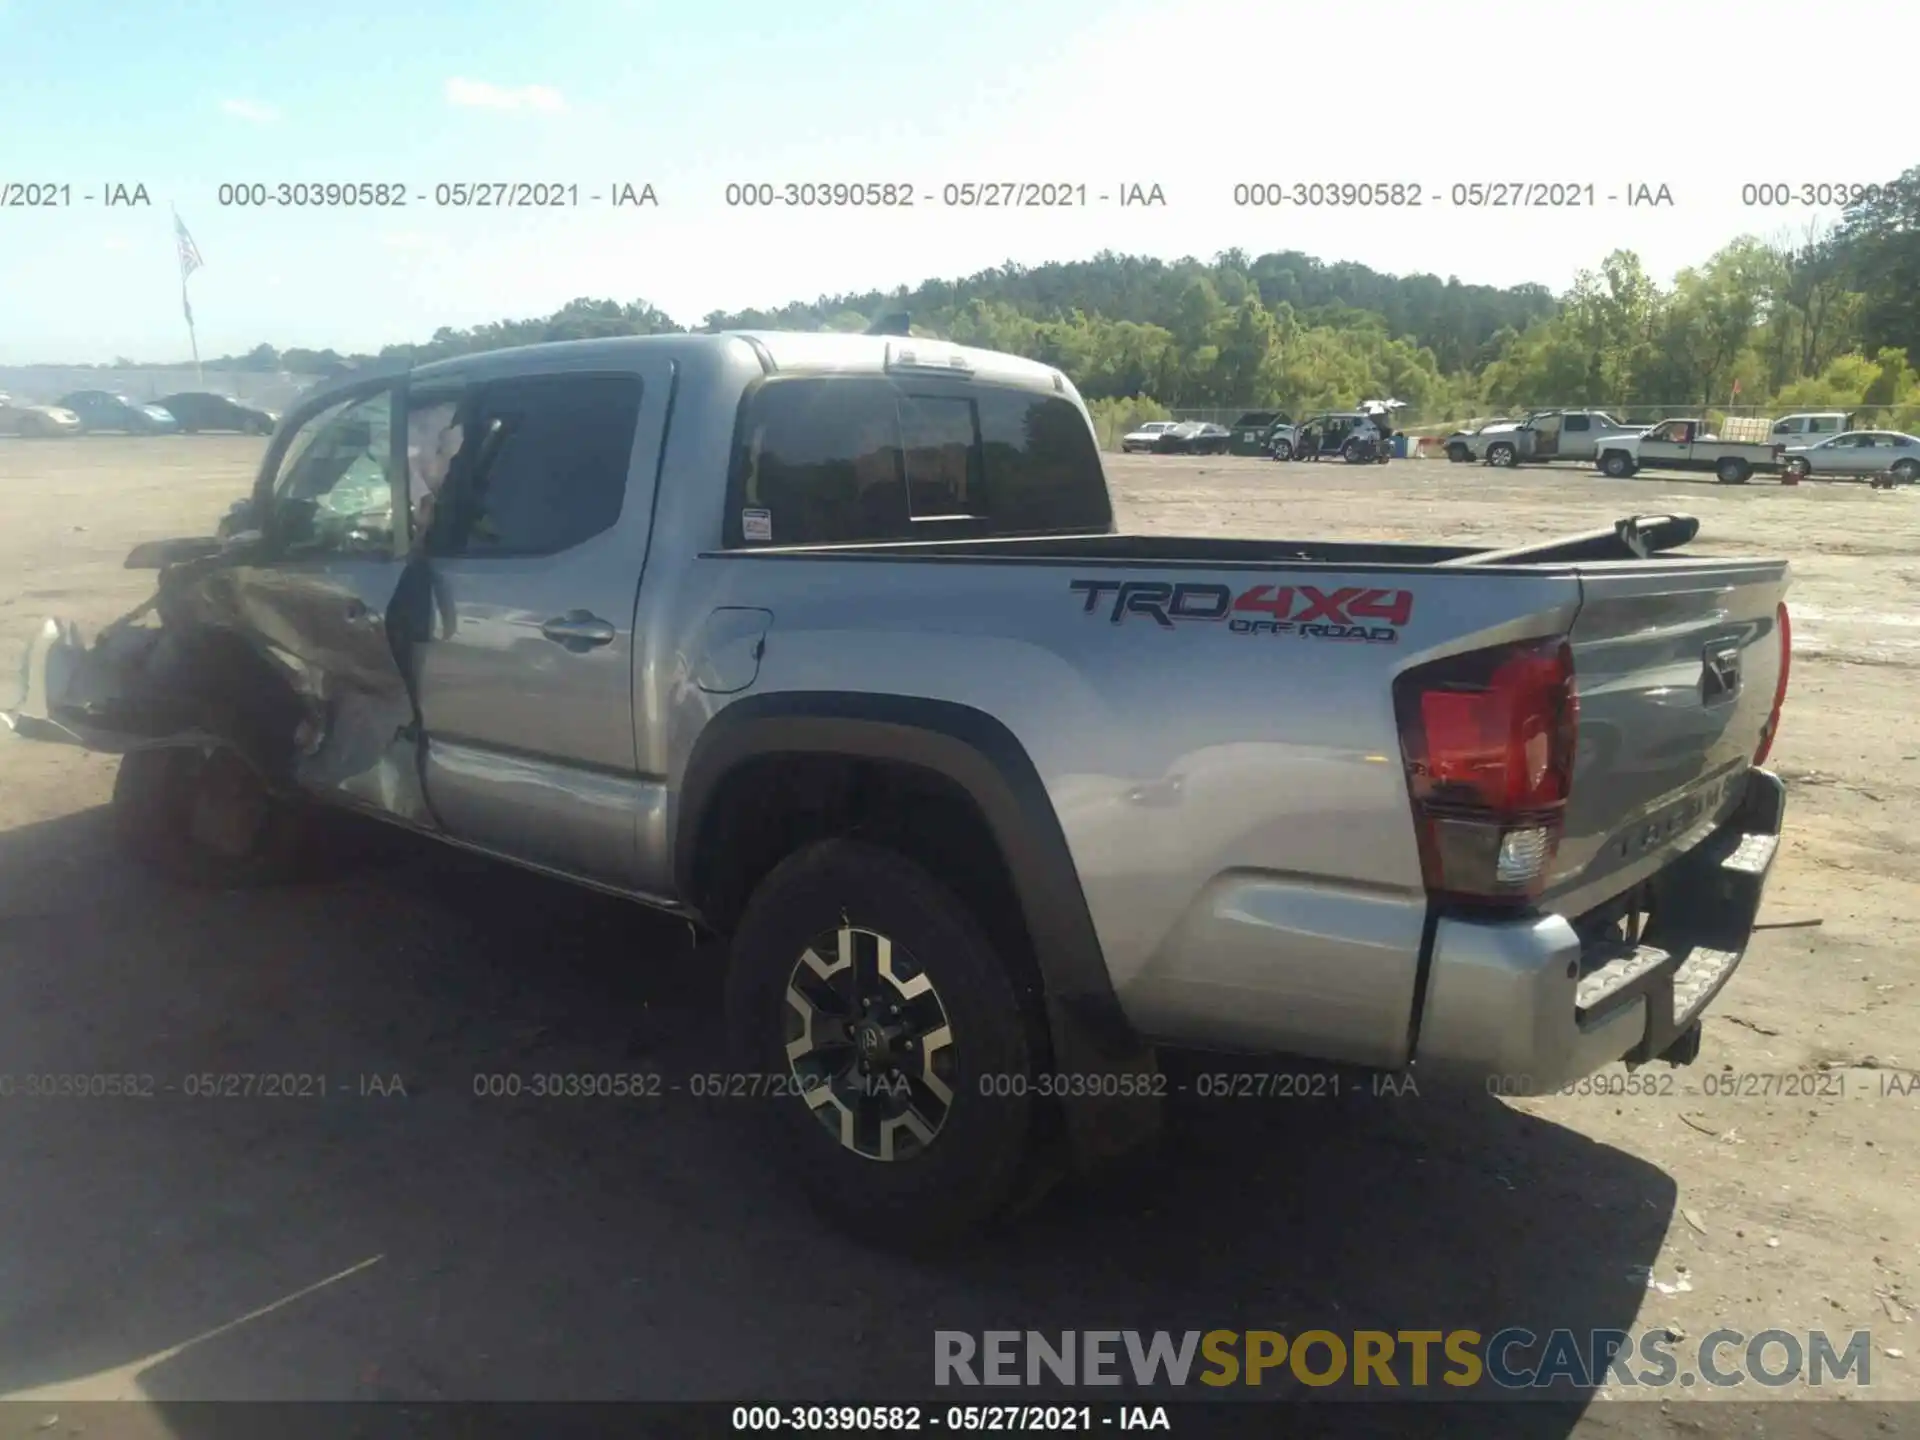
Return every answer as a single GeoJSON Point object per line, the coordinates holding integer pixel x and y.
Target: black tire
{"type": "Point", "coordinates": [1617, 464]}
{"type": "Point", "coordinates": [1458, 453]}
{"type": "Point", "coordinates": [1282, 450]}
{"type": "Point", "coordinates": [1732, 470]}
{"type": "Point", "coordinates": [1906, 472]}
{"type": "Point", "coordinates": [1502, 457]}
{"type": "Point", "coordinates": [1798, 468]}
{"type": "Point", "coordinates": [205, 819]}
{"type": "Point", "coordinates": [971, 1169]}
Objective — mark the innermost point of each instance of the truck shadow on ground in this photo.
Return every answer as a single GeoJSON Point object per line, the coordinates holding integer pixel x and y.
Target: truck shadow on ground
{"type": "Point", "coordinates": [446, 1244]}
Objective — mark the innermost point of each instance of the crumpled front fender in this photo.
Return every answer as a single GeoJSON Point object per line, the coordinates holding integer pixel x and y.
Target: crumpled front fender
{"type": "Point", "coordinates": [102, 696]}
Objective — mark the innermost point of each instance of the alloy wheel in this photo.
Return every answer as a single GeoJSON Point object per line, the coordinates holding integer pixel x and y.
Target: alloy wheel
{"type": "Point", "coordinates": [869, 1044]}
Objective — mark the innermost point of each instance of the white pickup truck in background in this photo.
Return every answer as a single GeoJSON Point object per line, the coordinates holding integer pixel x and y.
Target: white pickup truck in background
{"type": "Point", "coordinates": [1687, 444]}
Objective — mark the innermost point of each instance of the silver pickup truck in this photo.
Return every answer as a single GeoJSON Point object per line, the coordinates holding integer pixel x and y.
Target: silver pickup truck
{"type": "Point", "coordinates": [1541, 436]}
{"type": "Point", "coordinates": [829, 643]}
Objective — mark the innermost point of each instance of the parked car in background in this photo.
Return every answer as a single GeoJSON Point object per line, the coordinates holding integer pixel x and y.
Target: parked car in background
{"type": "Point", "coordinates": [1687, 444]}
{"type": "Point", "coordinates": [1253, 431]}
{"type": "Point", "coordinates": [1459, 451]}
{"type": "Point", "coordinates": [1146, 435]}
{"type": "Point", "coordinates": [23, 417]}
{"type": "Point", "coordinates": [1282, 436]}
{"type": "Point", "coordinates": [1858, 455]}
{"type": "Point", "coordinates": [201, 410]}
{"type": "Point", "coordinates": [1541, 436]}
{"type": "Point", "coordinates": [103, 410]}
{"type": "Point", "coordinates": [1194, 437]}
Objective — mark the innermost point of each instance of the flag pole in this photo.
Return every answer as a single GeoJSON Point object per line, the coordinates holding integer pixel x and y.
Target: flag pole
{"type": "Point", "coordinates": [199, 379]}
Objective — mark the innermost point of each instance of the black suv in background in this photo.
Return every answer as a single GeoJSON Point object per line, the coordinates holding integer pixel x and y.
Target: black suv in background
{"type": "Point", "coordinates": [201, 410]}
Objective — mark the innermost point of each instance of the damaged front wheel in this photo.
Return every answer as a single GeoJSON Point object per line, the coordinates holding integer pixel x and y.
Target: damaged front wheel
{"type": "Point", "coordinates": [205, 817]}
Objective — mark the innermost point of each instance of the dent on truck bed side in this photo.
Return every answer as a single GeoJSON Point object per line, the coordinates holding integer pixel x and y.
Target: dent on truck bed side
{"type": "Point", "coordinates": [1089, 1031]}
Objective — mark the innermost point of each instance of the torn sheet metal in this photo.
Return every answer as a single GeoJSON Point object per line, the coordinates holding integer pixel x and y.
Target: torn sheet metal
{"type": "Point", "coordinates": [328, 712]}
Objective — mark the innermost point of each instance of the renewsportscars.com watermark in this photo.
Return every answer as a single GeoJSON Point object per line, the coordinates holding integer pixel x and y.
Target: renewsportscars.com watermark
{"type": "Point", "coordinates": [1441, 1361]}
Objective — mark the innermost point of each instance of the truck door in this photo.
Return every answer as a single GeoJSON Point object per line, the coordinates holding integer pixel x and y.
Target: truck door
{"type": "Point", "coordinates": [1576, 437]}
{"type": "Point", "coordinates": [317, 593]}
{"type": "Point", "coordinates": [1546, 436]}
{"type": "Point", "coordinates": [1669, 443]}
{"type": "Point", "coordinates": [525, 667]}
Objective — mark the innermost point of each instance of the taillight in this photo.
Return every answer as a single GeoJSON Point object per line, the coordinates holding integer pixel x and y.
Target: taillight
{"type": "Point", "coordinates": [1488, 740]}
{"type": "Point", "coordinates": [1785, 626]}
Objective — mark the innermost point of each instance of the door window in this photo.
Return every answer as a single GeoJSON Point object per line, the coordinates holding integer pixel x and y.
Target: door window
{"type": "Point", "coordinates": [334, 493]}
{"type": "Point", "coordinates": [534, 467]}
{"type": "Point", "coordinates": [1579, 422]}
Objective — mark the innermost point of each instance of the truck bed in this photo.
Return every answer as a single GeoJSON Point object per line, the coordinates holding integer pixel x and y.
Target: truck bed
{"type": "Point", "coordinates": [1257, 736]}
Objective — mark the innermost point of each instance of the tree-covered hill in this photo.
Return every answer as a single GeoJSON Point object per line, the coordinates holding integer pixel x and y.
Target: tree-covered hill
{"type": "Point", "coordinates": [1826, 317]}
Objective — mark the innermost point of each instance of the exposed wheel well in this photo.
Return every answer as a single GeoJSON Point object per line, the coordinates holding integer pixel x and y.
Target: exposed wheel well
{"type": "Point", "coordinates": [770, 805]}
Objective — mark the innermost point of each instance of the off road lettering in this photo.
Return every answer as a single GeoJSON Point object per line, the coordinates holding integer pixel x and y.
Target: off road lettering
{"type": "Point", "coordinates": [1305, 610]}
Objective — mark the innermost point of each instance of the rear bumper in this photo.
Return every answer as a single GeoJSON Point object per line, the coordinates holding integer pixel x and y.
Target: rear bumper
{"type": "Point", "coordinates": [1524, 1007]}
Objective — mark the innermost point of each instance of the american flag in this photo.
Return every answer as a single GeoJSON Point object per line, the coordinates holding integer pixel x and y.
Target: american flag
{"type": "Point", "coordinates": [190, 260]}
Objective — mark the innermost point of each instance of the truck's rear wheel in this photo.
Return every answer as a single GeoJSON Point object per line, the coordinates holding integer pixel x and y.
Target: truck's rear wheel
{"type": "Point", "coordinates": [1905, 472]}
{"type": "Point", "coordinates": [1732, 470]}
{"type": "Point", "coordinates": [898, 1047]}
{"type": "Point", "coordinates": [1616, 464]}
{"type": "Point", "coordinates": [205, 818]}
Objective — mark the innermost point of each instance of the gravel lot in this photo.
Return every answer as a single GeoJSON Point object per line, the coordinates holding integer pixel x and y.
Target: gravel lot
{"type": "Point", "coordinates": [441, 1246]}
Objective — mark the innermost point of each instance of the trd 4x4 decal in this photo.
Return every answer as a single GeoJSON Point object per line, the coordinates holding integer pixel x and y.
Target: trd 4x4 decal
{"type": "Point", "coordinates": [1352, 612]}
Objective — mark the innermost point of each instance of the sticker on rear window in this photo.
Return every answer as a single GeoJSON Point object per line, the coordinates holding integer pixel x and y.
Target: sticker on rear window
{"type": "Point", "coordinates": [756, 524]}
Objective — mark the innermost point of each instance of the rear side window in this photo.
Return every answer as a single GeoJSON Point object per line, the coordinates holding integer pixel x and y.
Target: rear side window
{"type": "Point", "coordinates": [841, 460]}
{"type": "Point", "coordinates": [1579, 422]}
{"type": "Point", "coordinates": [542, 464]}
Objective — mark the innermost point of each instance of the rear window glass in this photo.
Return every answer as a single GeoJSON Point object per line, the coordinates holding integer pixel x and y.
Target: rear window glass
{"type": "Point", "coordinates": [839, 460]}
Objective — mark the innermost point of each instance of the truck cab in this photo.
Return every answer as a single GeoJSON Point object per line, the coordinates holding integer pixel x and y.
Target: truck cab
{"type": "Point", "coordinates": [1810, 428]}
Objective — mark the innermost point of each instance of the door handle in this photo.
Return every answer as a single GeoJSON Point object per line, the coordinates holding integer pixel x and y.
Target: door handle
{"type": "Point", "coordinates": [578, 630]}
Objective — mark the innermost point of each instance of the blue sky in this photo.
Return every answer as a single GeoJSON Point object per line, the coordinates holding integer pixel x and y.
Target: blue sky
{"type": "Point", "coordinates": [1191, 95]}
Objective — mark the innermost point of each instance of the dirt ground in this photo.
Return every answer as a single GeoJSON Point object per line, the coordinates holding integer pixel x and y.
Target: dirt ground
{"type": "Point", "coordinates": [437, 1245]}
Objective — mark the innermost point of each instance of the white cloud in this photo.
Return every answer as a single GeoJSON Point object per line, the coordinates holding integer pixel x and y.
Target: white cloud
{"type": "Point", "coordinates": [480, 95]}
{"type": "Point", "coordinates": [252, 111]}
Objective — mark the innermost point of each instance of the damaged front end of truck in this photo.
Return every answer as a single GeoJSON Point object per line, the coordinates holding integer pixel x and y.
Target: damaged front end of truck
{"type": "Point", "coordinates": [265, 671]}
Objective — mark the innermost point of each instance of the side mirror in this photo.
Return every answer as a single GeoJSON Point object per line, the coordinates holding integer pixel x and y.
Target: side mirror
{"type": "Point", "coordinates": [158, 554]}
{"type": "Point", "coordinates": [238, 519]}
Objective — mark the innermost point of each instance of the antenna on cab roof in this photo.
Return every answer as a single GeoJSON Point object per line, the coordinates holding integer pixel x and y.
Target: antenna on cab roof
{"type": "Point", "coordinates": [898, 324]}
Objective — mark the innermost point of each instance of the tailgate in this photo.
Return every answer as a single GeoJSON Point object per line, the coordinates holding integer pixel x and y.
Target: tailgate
{"type": "Point", "coordinates": [1676, 664]}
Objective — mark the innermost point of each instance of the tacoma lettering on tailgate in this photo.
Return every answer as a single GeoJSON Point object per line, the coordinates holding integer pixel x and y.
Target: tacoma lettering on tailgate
{"type": "Point", "coordinates": [1351, 612]}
